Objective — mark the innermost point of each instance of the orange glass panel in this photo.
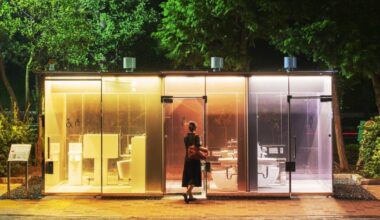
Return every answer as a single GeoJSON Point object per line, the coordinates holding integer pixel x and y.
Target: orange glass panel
{"type": "Point", "coordinates": [226, 133]}
{"type": "Point", "coordinates": [185, 86]}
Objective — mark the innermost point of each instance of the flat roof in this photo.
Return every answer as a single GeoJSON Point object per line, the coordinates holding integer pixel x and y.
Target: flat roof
{"type": "Point", "coordinates": [187, 73]}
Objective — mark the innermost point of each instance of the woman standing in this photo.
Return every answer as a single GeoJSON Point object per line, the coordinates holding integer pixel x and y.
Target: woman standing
{"type": "Point", "coordinates": [192, 169]}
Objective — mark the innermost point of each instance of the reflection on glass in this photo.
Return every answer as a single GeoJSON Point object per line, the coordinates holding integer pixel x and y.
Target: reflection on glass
{"type": "Point", "coordinates": [225, 132]}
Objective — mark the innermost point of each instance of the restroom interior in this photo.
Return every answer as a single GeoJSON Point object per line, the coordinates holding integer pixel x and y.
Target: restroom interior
{"type": "Point", "coordinates": [114, 135]}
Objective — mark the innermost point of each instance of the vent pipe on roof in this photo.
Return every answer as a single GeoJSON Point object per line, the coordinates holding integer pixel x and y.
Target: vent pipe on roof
{"type": "Point", "coordinates": [216, 63]}
{"type": "Point", "coordinates": [129, 64]}
{"type": "Point", "coordinates": [290, 63]}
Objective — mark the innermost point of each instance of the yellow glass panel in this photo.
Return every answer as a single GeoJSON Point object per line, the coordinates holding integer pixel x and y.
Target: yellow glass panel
{"type": "Point", "coordinates": [72, 110]}
{"type": "Point", "coordinates": [132, 113]}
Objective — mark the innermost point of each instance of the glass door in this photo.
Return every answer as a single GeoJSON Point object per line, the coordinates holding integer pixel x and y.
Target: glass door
{"type": "Point", "coordinates": [310, 122]}
{"type": "Point", "coordinates": [178, 112]}
{"type": "Point", "coordinates": [310, 133]}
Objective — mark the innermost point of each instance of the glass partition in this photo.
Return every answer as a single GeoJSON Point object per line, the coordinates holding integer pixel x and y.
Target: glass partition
{"type": "Point", "coordinates": [311, 134]}
{"type": "Point", "coordinates": [132, 155]}
{"type": "Point", "coordinates": [268, 134]}
{"type": "Point", "coordinates": [72, 110]}
{"type": "Point", "coordinates": [226, 133]}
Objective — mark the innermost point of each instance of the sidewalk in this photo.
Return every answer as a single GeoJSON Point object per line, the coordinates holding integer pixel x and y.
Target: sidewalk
{"type": "Point", "coordinates": [373, 189]}
{"type": "Point", "coordinates": [174, 208]}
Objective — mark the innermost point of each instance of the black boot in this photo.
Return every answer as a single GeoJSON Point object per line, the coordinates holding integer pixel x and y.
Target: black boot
{"type": "Point", "coordinates": [185, 198]}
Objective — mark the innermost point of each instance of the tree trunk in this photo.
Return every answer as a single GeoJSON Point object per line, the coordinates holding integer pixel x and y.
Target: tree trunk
{"type": "Point", "coordinates": [8, 87]}
{"type": "Point", "coordinates": [343, 163]}
{"type": "Point", "coordinates": [376, 89]}
{"type": "Point", "coordinates": [245, 60]}
{"type": "Point", "coordinates": [40, 140]}
{"type": "Point", "coordinates": [27, 76]}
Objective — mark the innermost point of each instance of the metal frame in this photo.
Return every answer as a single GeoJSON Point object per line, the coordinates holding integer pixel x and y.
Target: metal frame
{"type": "Point", "coordinates": [9, 178]}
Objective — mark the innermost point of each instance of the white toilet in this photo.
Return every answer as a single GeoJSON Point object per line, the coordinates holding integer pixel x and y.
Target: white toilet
{"type": "Point", "coordinates": [267, 169]}
{"type": "Point", "coordinates": [224, 182]}
{"type": "Point", "coordinates": [123, 168]}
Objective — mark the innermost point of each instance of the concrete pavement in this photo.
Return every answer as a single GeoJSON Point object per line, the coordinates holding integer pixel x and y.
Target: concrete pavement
{"type": "Point", "coordinates": [173, 207]}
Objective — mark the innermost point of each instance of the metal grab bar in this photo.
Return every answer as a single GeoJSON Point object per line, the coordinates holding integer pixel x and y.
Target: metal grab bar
{"type": "Point", "coordinates": [295, 147]}
{"type": "Point", "coordinates": [229, 176]}
{"type": "Point", "coordinates": [267, 173]}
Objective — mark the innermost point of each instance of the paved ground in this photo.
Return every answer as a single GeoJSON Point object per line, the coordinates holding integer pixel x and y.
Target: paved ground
{"type": "Point", "coordinates": [3, 188]}
{"type": "Point", "coordinates": [174, 208]}
{"type": "Point", "coordinates": [373, 189]}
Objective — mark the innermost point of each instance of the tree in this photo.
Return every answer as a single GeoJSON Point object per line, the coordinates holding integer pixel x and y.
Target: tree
{"type": "Point", "coordinates": [343, 35]}
{"type": "Point", "coordinates": [193, 31]}
{"type": "Point", "coordinates": [79, 34]}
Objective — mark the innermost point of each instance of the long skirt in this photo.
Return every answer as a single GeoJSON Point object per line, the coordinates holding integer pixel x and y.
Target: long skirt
{"type": "Point", "coordinates": [192, 173]}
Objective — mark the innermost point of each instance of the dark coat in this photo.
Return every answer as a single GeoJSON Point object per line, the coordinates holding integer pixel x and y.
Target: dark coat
{"type": "Point", "coordinates": [192, 168]}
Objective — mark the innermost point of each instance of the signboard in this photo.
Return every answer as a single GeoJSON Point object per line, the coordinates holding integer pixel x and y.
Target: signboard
{"type": "Point", "coordinates": [19, 152]}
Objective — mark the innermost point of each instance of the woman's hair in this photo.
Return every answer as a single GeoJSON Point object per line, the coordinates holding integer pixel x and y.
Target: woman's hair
{"type": "Point", "coordinates": [192, 126]}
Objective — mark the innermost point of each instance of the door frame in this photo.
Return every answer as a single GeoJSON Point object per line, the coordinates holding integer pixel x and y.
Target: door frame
{"type": "Point", "coordinates": [169, 100]}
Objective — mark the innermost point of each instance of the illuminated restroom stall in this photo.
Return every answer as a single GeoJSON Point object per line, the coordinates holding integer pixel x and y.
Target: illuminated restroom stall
{"type": "Point", "coordinates": [103, 135]}
{"type": "Point", "coordinates": [132, 117]}
{"type": "Point", "coordinates": [72, 110]}
{"type": "Point", "coordinates": [290, 122]}
{"type": "Point", "coordinates": [217, 104]}
{"type": "Point", "coordinates": [226, 138]}
{"type": "Point", "coordinates": [311, 133]}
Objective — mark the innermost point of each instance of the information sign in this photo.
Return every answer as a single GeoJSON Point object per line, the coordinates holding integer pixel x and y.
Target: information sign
{"type": "Point", "coordinates": [19, 152]}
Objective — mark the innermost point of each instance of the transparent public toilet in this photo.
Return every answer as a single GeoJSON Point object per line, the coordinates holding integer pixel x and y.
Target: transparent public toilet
{"type": "Point", "coordinates": [122, 133]}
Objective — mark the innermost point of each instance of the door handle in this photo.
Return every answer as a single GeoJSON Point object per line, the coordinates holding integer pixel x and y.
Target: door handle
{"type": "Point", "coordinates": [48, 148]}
{"type": "Point", "coordinates": [295, 147]}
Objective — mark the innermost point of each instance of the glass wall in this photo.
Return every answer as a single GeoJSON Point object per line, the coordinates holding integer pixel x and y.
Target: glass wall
{"type": "Point", "coordinates": [72, 110]}
{"type": "Point", "coordinates": [226, 133]}
{"type": "Point", "coordinates": [132, 155]}
{"type": "Point", "coordinates": [106, 134]}
{"type": "Point", "coordinates": [311, 134]}
{"type": "Point", "coordinates": [121, 155]}
{"type": "Point", "coordinates": [268, 134]}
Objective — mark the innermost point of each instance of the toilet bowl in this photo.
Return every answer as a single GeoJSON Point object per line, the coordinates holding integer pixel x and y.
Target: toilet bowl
{"type": "Point", "coordinates": [225, 179]}
{"type": "Point", "coordinates": [268, 171]}
{"type": "Point", "coordinates": [123, 168]}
